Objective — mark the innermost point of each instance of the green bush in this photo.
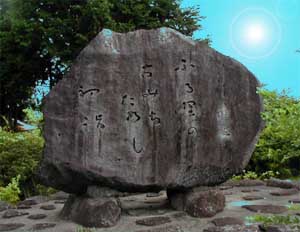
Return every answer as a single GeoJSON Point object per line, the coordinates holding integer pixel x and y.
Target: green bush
{"type": "Point", "coordinates": [278, 149]}
{"type": "Point", "coordinates": [11, 192]}
{"type": "Point", "coordinates": [20, 153]}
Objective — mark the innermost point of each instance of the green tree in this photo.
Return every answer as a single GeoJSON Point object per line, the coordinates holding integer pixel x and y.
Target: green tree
{"type": "Point", "coordinates": [278, 148]}
{"type": "Point", "coordinates": [40, 38]}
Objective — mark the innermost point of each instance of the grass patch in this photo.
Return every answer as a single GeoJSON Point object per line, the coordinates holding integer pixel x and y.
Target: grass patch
{"type": "Point", "coordinates": [275, 220]}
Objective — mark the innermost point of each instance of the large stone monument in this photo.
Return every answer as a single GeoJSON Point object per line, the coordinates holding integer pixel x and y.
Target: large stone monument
{"type": "Point", "coordinates": [149, 110]}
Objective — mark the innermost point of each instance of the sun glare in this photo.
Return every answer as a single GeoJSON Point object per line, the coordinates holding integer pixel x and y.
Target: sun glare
{"type": "Point", "coordinates": [255, 33]}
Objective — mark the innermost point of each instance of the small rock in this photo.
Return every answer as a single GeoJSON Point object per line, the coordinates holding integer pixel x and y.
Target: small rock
{"type": "Point", "coordinates": [244, 183]}
{"type": "Point", "coordinates": [4, 206]}
{"type": "Point", "coordinates": [285, 192]}
{"type": "Point", "coordinates": [59, 196]}
{"type": "Point", "coordinates": [275, 209]}
{"type": "Point", "coordinates": [280, 183]}
{"type": "Point", "coordinates": [164, 229]}
{"type": "Point", "coordinates": [48, 207]}
{"type": "Point", "coordinates": [11, 226]}
{"type": "Point", "coordinates": [225, 221]}
{"type": "Point", "coordinates": [145, 212]}
{"type": "Point", "coordinates": [277, 228]}
{"type": "Point", "coordinates": [225, 187]}
{"type": "Point", "coordinates": [179, 215]}
{"type": "Point", "coordinates": [252, 198]}
{"type": "Point", "coordinates": [42, 226]}
{"type": "Point", "coordinates": [228, 193]}
{"type": "Point", "coordinates": [198, 203]}
{"type": "Point", "coordinates": [295, 201]}
{"type": "Point", "coordinates": [92, 212]}
{"type": "Point", "coordinates": [13, 213]}
{"type": "Point", "coordinates": [233, 228]}
{"type": "Point", "coordinates": [249, 190]}
{"type": "Point", "coordinates": [34, 200]}
{"type": "Point", "coordinates": [37, 216]}
{"type": "Point", "coordinates": [60, 202]}
{"type": "Point", "coordinates": [153, 221]}
{"type": "Point", "coordinates": [24, 207]}
{"type": "Point", "coordinates": [152, 195]}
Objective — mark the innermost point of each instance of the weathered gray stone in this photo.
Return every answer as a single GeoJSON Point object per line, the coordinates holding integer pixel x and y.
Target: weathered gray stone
{"type": "Point", "coordinates": [43, 226]}
{"type": "Point", "coordinates": [11, 226]}
{"type": "Point", "coordinates": [37, 216]}
{"type": "Point", "coordinates": [244, 183]}
{"type": "Point", "coordinates": [275, 209]}
{"type": "Point", "coordinates": [252, 198]}
{"type": "Point", "coordinates": [170, 228]}
{"type": "Point", "coordinates": [149, 110]}
{"type": "Point", "coordinates": [295, 201]}
{"type": "Point", "coordinates": [153, 221]}
{"type": "Point", "coordinates": [59, 196]}
{"type": "Point", "coordinates": [4, 206]}
{"type": "Point", "coordinates": [198, 203]}
{"type": "Point", "coordinates": [47, 207]}
{"type": "Point", "coordinates": [35, 200]}
{"type": "Point", "coordinates": [13, 213]}
{"type": "Point", "coordinates": [233, 228]}
{"type": "Point", "coordinates": [279, 228]}
{"type": "Point", "coordinates": [92, 212]}
{"type": "Point", "coordinates": [285, 192]}
{"type": "Point", "coordinates": [273, 182]}
{"type": "Point", "coordinates": [225, 221]}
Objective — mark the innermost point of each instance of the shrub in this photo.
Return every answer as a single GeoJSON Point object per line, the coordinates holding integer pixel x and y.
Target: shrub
{"type": "Point", "coordinates": [278, 149]}
{"type": "Point", "coordinates": [11, 192]}
{"type": "Point", "coordinates": [20, 153]}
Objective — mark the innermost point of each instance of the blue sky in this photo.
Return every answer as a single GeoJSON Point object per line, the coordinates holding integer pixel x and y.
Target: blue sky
{"type": "Point", "coordinates": [262, 34]}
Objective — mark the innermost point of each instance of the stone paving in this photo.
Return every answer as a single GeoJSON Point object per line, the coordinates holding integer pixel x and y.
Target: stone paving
{"type": "Point", "coordinates": [151, 213]}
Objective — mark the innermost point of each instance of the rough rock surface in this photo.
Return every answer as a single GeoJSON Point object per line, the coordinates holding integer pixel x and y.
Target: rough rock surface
{"type": "Point", "coordinates": [225, 221]}
{"type": "Point", "coordinates": [274, 209]}
{"type": "Point", "coordinates": [285, 192]}
{"type": "Point", "coordinates": [153, 221]}
{"type": "Point", "coordinates": [13, 213]}
{"type": "Point", "coordinates": [273, 182]}
{"type": "Point", "coordinates": [10, 226]}
{"type": "Point", "coordinates": [149, 110]}
{"type": "Point", "coordinates": [198, 203]}
{"type": "Point", "coordinates": [4, 206]}
{"type": "Point", "coordinates": [92, 212]}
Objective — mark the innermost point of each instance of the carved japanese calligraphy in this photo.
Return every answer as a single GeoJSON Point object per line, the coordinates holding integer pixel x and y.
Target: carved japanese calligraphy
{"type": "Point", "coordinates": [154, 118]}
{"type": "Point", "coordinates": [145, 70]}
{"type": "Point", "coordinates": [133, 116]}
{"type": "Point", "coordinates": [91, 91]}
{"type": "Point", "coordinates": [135, 147]}
{"type": "Point", "coordinates": [150, 92]}
{"type": "Point", "coordinates": [189, 88]}
{"type": "Point", "coordinates": [99, 119]}
{"type": "Point", "coordinates": [127, 99]}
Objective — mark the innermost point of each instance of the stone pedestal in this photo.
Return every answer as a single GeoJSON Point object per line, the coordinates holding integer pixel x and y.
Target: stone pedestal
{"type": "Point", "coordinates": [92, 212]}
{"type": "Point", "coordinates": [198, 202]}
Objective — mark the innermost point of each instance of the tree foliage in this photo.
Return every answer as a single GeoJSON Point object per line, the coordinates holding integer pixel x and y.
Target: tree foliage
{"type": "Point", "coordinates": [40, 38]}
{"type": "Point", "coordinates": [278, 148]}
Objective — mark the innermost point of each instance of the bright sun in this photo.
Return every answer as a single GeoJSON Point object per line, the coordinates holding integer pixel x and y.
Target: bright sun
{"type": "Point", "coordinates": [255, 33]}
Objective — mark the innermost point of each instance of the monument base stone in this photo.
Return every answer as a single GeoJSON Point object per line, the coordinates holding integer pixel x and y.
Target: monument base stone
{"type": "Point", "coordinates": [198, 202]}
{"type": "Point", "coordinates": [92, 212]}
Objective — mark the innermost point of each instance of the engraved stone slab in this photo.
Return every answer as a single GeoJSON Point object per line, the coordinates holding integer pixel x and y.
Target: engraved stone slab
{"type": "Point", "coordinates": [149, 110]}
